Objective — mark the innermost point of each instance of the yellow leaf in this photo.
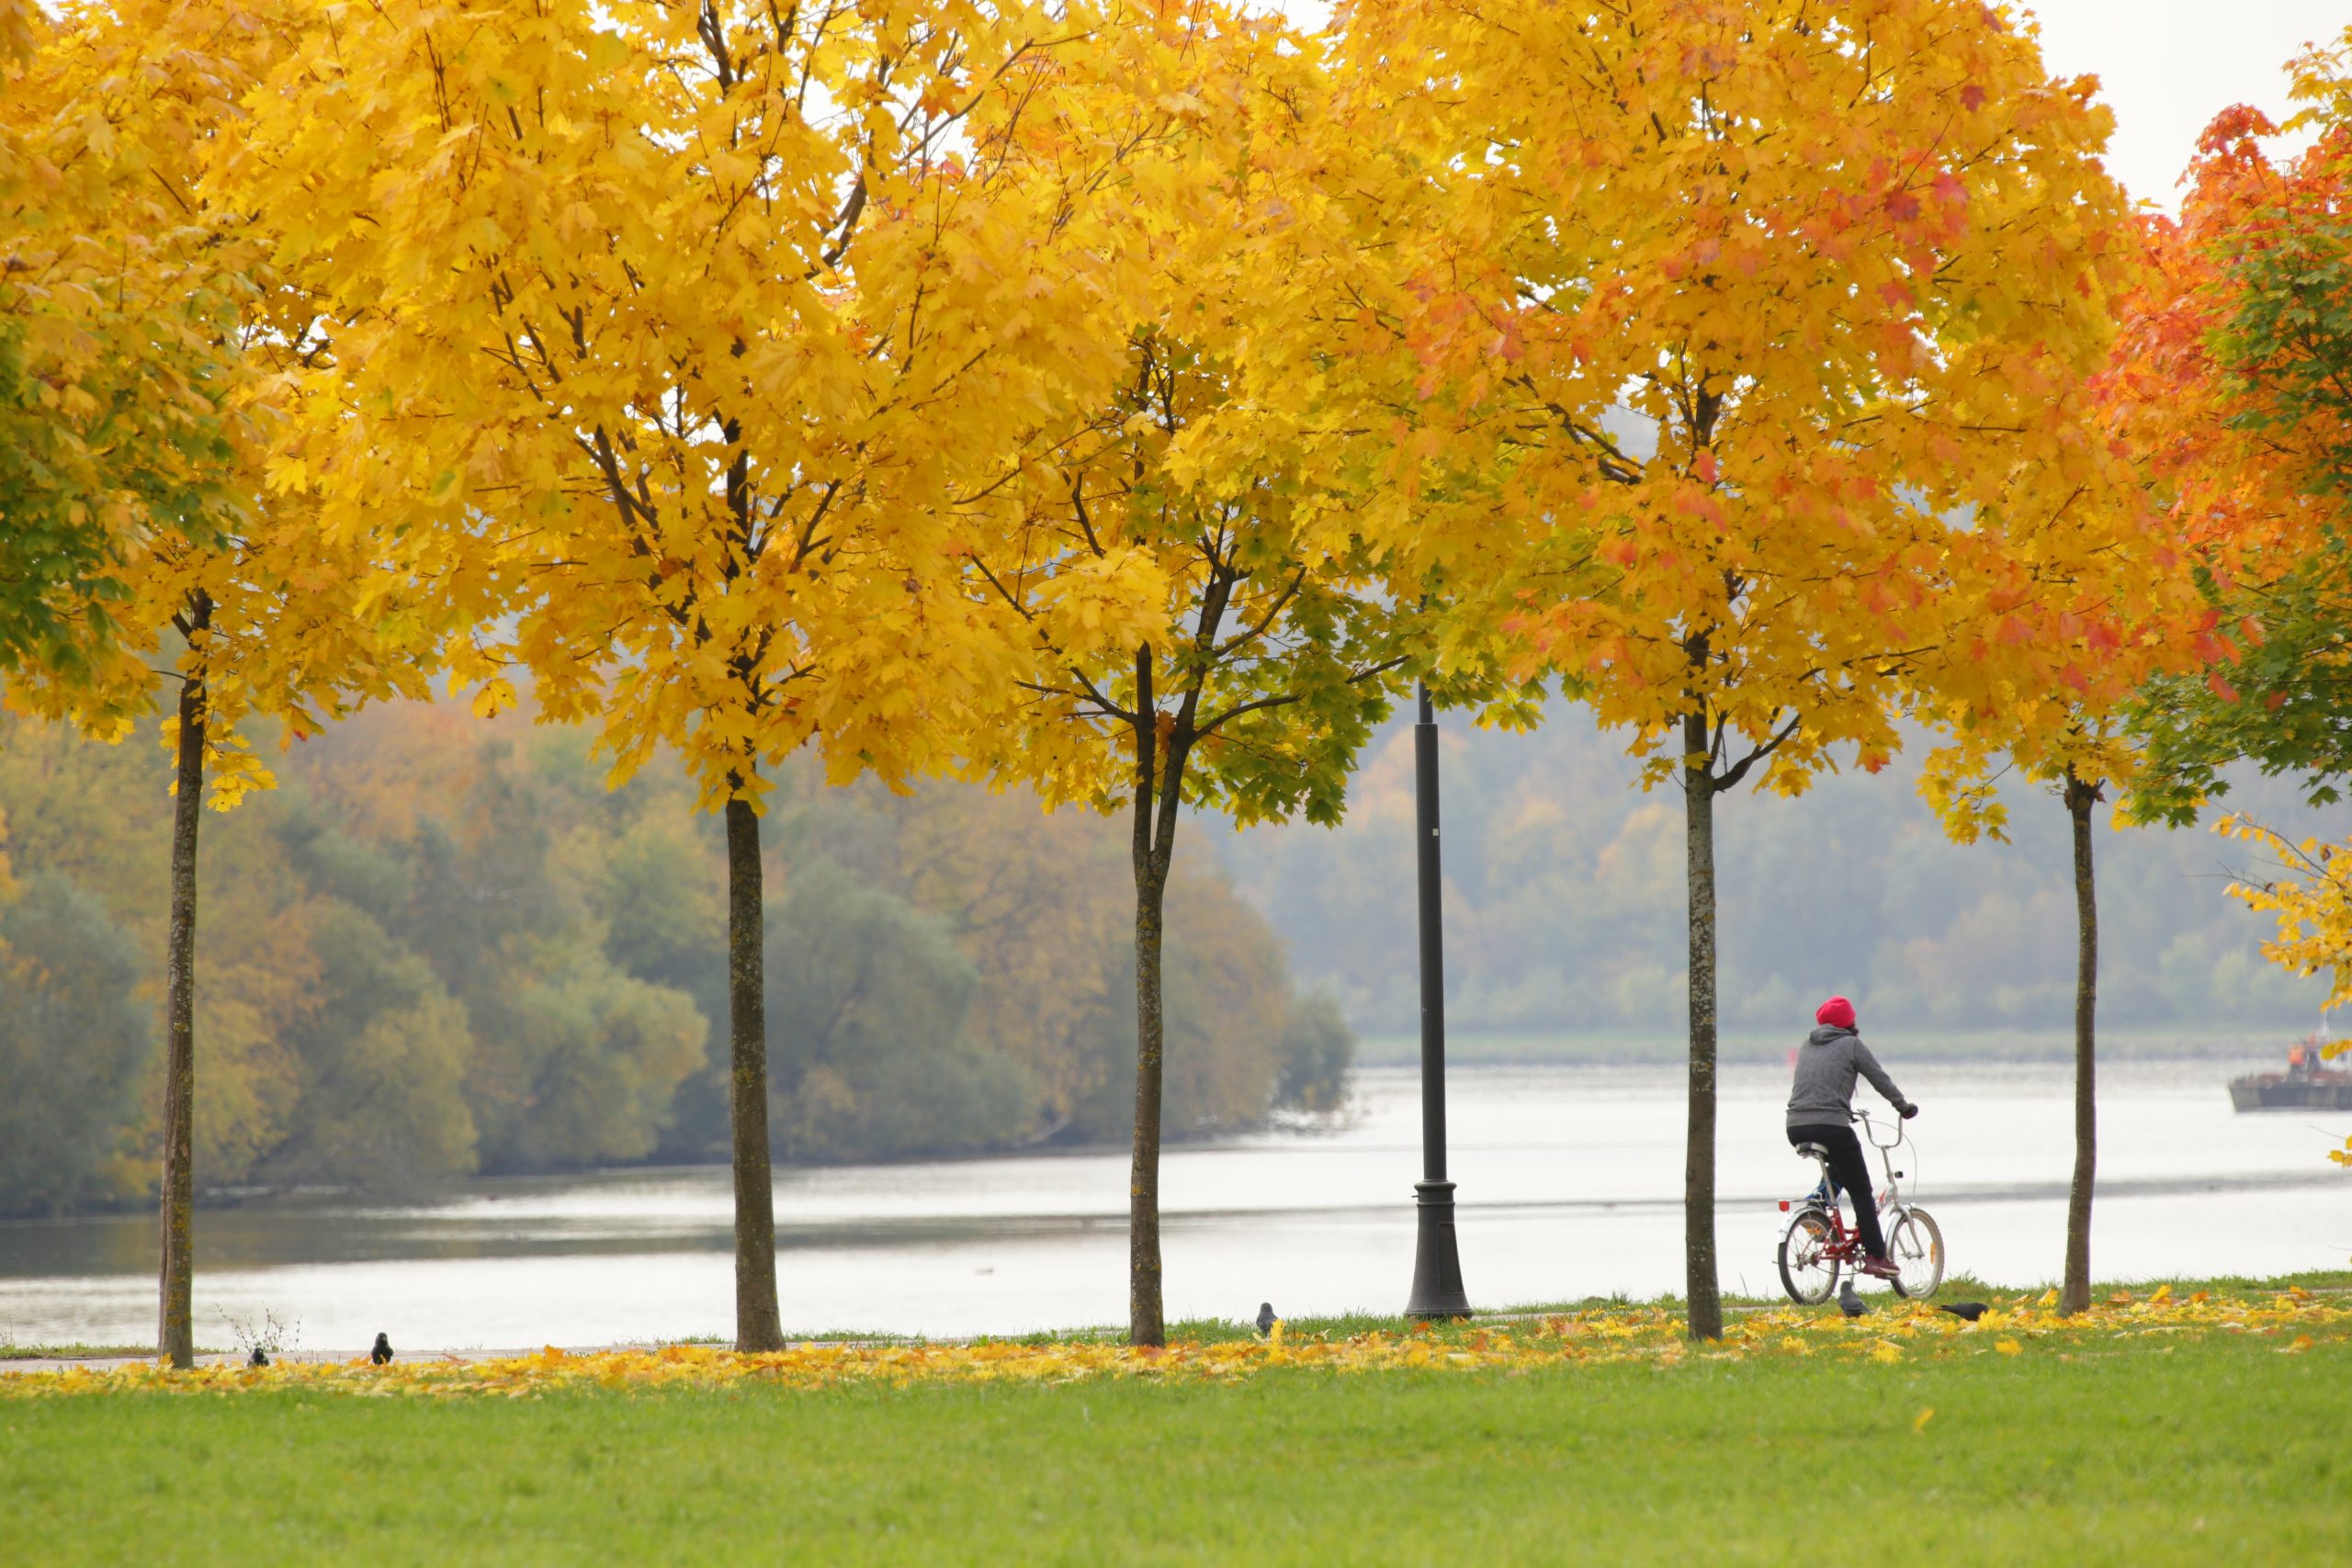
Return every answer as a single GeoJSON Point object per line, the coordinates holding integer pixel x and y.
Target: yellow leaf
{"type": "Point", "coordinates": [1920, 1423]}
{"type": "Point", "coordinates": [1886, 1350]}
{"type": "Point", "coordinates": [494, 697]}
{"type": "Point", "coordinates": [2008, 1346]}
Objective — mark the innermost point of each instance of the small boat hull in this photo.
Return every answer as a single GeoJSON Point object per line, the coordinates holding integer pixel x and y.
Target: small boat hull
{"type": "Point", "coordinates": [2283, 1092]}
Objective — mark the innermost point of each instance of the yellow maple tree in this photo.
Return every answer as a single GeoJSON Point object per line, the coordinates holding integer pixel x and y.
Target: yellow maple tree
{"type": "Point", "coordinates": [247, 604]}
{"type": "Point", "coordinates": [1210, 624]}
{"type": "Point", "coordinates": [664, 329]}
{"type": "Point", "coordinates": [111, 307]}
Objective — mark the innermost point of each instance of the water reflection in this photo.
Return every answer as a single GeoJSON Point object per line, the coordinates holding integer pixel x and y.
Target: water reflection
{"type": "Point", "coordinates": [1570, 1180]}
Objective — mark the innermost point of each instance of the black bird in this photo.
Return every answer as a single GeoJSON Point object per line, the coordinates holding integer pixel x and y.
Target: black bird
{"type": "Point", "coordinates": [1968, 1310]}
{"type": "Point", "coordinates": [258, 1358]}
{"type": "Point", "coordinates": [382, 1352]}
{"type": "Point", "coordinates": [1266, 1317]}
{"type": "Point", "coordinates": [1848, 1302]}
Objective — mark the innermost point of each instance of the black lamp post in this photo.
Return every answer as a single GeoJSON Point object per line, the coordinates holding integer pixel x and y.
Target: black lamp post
{"type": "Point", "coordinates": [1437, 1262]}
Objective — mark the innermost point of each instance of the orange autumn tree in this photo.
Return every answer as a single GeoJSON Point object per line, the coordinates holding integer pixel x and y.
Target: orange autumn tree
{"type": "Point", "coordinates": [2240, 398]}
{"type": "Point", "coordinates": [251, 605]}
{"type": "Point", "coordinates": [2143, 610]}
{"type": "Point", "coordinates": [2055, 708]}
{"type": "Point", "coordinates": [666, 327]}
{"type": "Point", "coordinates": [1781, 313]}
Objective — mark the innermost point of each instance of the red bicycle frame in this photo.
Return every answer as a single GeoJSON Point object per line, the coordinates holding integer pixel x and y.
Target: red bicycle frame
{"type": "Point", "coordinates": [1845, 1246]}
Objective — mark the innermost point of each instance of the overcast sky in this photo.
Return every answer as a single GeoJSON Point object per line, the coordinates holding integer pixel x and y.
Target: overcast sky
{"type": "Point", "coordinates": [2165, 66]}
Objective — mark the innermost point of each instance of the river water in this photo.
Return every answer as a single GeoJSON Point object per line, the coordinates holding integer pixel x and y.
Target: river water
{"type": "Point", "coordinates": [1570, 1181]}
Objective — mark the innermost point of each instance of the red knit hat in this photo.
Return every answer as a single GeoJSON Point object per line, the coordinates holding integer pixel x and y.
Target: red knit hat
{"type": "Point", "coordinates": [1837, 1011]}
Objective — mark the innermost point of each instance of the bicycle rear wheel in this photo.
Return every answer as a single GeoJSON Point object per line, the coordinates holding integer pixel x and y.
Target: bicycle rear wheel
{"type": "Point", "coordinates": [1807, 1270]}
{"type": "Point", "coordinates": [1917, 1245]}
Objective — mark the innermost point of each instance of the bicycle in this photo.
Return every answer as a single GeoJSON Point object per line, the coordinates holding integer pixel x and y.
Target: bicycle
{"type": "Point", "coordinates": [1816, 1244]}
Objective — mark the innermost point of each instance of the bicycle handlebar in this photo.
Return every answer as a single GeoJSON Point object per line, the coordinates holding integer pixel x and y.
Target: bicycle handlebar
{"type": "Point", "coordinates": [1870, 1129]}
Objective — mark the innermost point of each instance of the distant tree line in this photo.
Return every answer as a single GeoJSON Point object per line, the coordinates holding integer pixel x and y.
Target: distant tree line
{"type": "Point", "coordinates": [1564, 903]}
{"type": "Point", "coordinates": [445, 948]}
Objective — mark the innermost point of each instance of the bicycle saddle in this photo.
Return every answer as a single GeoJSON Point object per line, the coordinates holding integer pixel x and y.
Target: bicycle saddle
{"type": "Point", "coordinates": [1812, 1151]}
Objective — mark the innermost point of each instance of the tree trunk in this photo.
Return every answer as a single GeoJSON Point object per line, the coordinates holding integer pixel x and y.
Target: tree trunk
{"type": "Point", "coordinates": [1159, 790]}
{"type": "Point", "coordinates": [2075, 1294]}
{"type": "Point", "coordinates": [1147, 1322]}
{"type": "Point", "coordinates": [757, 1323]}
{"type": "Point", "coordinates": [1699, 1154]}
{"type": "Point", "coordinates": [175, 1329]}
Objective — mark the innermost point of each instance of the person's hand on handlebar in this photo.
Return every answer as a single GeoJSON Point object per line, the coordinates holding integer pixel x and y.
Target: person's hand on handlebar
{"type": "Point", "coordinates": [1907, 1110]}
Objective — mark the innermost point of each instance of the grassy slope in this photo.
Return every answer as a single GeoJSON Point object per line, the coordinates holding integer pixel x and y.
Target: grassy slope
{"type": "Point", "coordinates": [2215, 1450]}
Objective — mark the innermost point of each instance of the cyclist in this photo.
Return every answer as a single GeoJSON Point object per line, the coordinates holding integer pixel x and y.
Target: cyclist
{"type": "Point", "coordinates": [1821, 1110]}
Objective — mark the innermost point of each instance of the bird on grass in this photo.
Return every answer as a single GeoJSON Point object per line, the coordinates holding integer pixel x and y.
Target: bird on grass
{"type": "Point", "coordinates": [382, 1351]}
{"type": "Point", "coordinates": [260, 1357]}
{"type": "Point", "coordinates": [1848, 1302]}
{"type": "Point", "coordinates": [1968, 1310]}
{"type": "Point", "coordinates": [1266, 1317]}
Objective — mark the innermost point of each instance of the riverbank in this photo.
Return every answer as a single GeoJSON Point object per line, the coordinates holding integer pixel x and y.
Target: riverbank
{"type": "Point", "coordinates": [2161, 1429]}
{"type": "Point", "coordinates": [1525, 1048]}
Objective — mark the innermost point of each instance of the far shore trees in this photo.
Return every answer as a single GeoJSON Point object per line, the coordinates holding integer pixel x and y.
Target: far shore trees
{"type": "Point", "coordinates": [669, 327]}
{"type": "Point", "coordinates": [1785, 309]}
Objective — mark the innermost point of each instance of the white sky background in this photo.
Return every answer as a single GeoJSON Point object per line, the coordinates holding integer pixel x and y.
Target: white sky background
{"type": "Point", "coordinates": [2166, 67]}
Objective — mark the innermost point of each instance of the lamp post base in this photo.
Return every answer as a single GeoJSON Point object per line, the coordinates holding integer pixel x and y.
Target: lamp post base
{"type": "Point", "coordinates": [1437, 1262]}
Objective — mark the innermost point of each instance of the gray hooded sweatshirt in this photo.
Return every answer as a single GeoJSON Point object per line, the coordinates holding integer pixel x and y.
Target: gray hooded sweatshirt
{"type": "Point", "coordinates": [1823, 1095]}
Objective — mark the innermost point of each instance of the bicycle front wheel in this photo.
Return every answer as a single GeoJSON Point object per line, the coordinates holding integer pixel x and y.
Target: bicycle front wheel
{"type": "Point", "coordinates": [1917, 1245]}
{"type": "Point", "coordinates": [1808, 1273]}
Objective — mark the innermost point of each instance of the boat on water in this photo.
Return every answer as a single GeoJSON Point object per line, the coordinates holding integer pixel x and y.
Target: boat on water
{"type": "Point", "coordinates": [2308, 1084]}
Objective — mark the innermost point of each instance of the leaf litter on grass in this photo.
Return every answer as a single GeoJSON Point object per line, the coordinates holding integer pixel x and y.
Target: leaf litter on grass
{"type": "Point", "coordinates": [1601, 1337]}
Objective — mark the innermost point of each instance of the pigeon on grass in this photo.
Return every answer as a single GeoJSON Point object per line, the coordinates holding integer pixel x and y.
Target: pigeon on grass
{"type": "Point", "coordinates": [1266, 1317]}
{"type": "Point", "coordinates": [1972, 1311]}
{"type": "Point", "coordinates": [1848, 1302]}
{"type": "Point", "coordinates": [382, 1351]}
{"type": "Point", "coordinates": [260, 1357]}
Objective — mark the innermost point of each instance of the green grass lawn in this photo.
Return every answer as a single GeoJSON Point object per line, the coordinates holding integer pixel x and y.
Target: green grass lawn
{"type": "Point", "coordinates": [2215, 1448]}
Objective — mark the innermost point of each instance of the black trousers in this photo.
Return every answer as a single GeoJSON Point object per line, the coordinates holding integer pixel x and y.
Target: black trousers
{"type": "Point", "coordinates": [1850, 1174]}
